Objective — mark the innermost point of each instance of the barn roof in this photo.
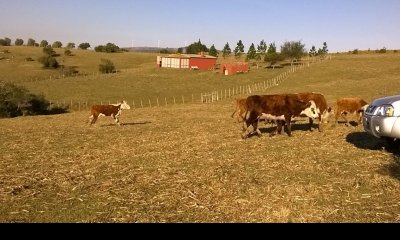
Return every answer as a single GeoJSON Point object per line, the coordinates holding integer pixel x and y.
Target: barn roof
{"type": "Point", "coordinates": [178, 55]}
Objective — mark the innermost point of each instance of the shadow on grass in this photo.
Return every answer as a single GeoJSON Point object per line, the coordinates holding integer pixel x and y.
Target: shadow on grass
{"type": "Point", "coordinates": [364, 140]}
{"type": "Point", "coordinates": [269, 128]}
{"type": "Point", "coordinates": [125, 124]}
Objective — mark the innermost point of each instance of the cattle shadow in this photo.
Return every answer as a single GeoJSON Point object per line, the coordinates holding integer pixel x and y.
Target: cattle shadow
{"type": "Point", "coordinates": [269, 128]}
{"type": "Point", "coordinates": [126, 124]}
{"type": "Point", "coordinates": [352, 123]}
{"type": "Point", "coordinates": [366, 141]}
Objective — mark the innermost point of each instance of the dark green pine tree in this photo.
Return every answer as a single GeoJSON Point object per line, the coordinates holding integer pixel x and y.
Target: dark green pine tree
{"type": "Point", "coordinates": [213, 51]}
{"type": "Point", "coordinates": [226, 51]}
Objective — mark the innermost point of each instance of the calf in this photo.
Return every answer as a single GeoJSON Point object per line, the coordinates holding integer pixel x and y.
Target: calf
{"type": "Point", "coordinates": [240, 109]}
{"type": "Point", "coordinates": [324, 112]}
{"type": "Point", "coordinates": [277, 107]}
{"type": "Point", "coordinates": [353, 105]}
{"type": "Point", "coordinates": [113, 110]}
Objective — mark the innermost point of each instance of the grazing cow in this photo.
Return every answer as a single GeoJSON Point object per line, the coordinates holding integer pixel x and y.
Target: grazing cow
{"type": "Point", "coordinates": [353, 105]}
{"type": "Point", "coordinates": [240, 109]}
{"type": "Point", "coordinates": [277, 107]}
{"type": "Point", "coordinates": [322, 109]}
{"type": "Point", "coordinates": [113, 110]}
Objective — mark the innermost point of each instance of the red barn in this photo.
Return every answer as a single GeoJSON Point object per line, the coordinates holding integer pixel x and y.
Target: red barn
{"type": "Point", "coordinates": [233, 68]}
{"type": "Point", "coordinates": [187, 61]}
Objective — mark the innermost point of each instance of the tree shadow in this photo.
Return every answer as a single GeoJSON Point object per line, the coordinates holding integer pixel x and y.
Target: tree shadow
{"type": "Point", "coordinates": [364, 140]}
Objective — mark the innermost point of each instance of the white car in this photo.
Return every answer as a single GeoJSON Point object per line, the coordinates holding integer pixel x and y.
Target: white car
{"type": "Point", "coordinates": [382, 119]}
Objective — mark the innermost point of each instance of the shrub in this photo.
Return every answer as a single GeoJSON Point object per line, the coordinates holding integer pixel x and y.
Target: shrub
{"type": "Point", "coordinates": [17, 101]}
{"type": "Point", "coordinates": [67, 52]}
{"type": "Point", "coordinates": [48, 61]}
{"type": "Point", "coordinates": [29, 59]}
{"type": "Point", "coordinates": [106, 66]}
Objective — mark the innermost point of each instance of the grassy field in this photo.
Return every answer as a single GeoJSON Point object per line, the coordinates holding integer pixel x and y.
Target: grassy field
{"type": "Point", "coordinates": [187, 163]}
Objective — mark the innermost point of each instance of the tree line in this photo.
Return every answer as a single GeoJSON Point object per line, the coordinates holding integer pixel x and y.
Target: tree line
{"type": "Point", "coordinates": [292, 50]}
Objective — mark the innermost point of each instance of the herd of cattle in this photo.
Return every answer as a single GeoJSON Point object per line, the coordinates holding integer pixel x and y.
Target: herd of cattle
{"type": "Point", "coordinates": [279, 109]}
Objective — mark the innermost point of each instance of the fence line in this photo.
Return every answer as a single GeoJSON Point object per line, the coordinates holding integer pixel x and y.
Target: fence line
{"type": "Point", "coordinates": [204, 98]}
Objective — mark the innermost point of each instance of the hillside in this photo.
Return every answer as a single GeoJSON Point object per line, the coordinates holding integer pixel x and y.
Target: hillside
{"type": "Point", "coordinates": [187, 162]}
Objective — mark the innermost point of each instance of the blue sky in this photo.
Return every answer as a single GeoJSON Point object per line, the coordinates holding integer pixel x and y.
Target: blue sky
{"type": "Point", "coordinates": [344, 24]}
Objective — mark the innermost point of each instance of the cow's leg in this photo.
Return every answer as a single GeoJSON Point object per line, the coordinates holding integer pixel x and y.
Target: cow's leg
{"type": "Point", "coordinates": [288, 125]}
{"type": "Point", "coordinates": [250, 124]}
{"type": "Point", "coordinates": [344, 115]}
{"type": "Point", "coordinates": [94, 119]}
{"type": "Point", "coordinates": [311, 121]}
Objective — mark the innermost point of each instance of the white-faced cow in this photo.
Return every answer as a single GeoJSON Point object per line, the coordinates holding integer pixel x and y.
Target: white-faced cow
{"type": "Point", "coordinates": [352, 105]}
{"type": "Point", "coordinates": [112, 110]}
{"type": "Point", "coordinates": [324, 112]}
{"type": "Point", "coordinates": [278, 107]}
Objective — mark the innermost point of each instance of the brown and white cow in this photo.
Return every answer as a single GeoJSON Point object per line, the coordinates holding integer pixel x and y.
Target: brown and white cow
{"type": "Point", "coordinates": [240, 109]}
{"type": "Point", "coordinates": [278, 107]}
{"type": "Point", "coordinates": [322, 109]}
{"type": "Point", "coordinates": [112, 110]}
{"type": "Point", "coordinates": [352, 105]}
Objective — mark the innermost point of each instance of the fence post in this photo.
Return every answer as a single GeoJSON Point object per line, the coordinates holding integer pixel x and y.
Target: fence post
{"type": "Point", "coordinates": [141, 103]}
{"type": "Point", "coordinates": [149, 103]}
{"type": "Point", "coordinates": [183, 100]}
{"type": "Point", "coordinates": [166, 104]}
{"type": "Point", "coordinates": [174, 100]}
{"type": "Point", "coordinates": [133, 103]}
{"type": "Point", "coordinates": [158, 105]}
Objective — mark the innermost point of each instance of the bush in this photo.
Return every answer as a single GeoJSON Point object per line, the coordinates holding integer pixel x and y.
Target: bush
{"type": "Point", "coordinates": [106, 66]}
{"type": "Point", "coordinates": [29, 59]}
{"type": "Point", "coordinates": [48, 61]}
{"type": "Point", "coordinates": [382, 50]}
{"type": "Point", "coordinates": [67, 52]}
{"type": "Point", "coordinates": [17, 101]}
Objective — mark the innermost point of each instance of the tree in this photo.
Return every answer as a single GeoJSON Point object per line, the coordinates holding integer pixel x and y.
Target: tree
{"type": "Point", "coordinates": [272, 56]}
{"type": "Point", "coordinates": [44, 43]}
{"type": "Point", "coordinates": [262, 48]}
{"type": "Point", "coordinates": [108, 48]}
{"type": "Point", "coordinates": [196, 47]}
{"type": "Point", "coordinates": [84, 46]}
{"type": "Point", "coordinates": [293, 50]}
{"type": "Point", "coordinates": [31, 42]}
{"type": "Point", "coordinates": [71, 45]}
{"type": "Point", "coordinates": [48, 50]}
{"type": "Point", "coordinates": [5, 42]}
{"type": "Point", "coordinates": [213, 51]}
{"type": "Point", "coordinates": [226, 51]}
{"type": "Point", "coordinates": [239, 49]}
{"type": "Point", "coordinates": [19, 42]}
{"type": "Point", "coordinates": [57, 44]}
{"type": "Point", "coordinates": [106, 66]}
{"type": "Point", "coordinates": [251, 54]}
{"type": "Point", "coordinates": [313, 52]}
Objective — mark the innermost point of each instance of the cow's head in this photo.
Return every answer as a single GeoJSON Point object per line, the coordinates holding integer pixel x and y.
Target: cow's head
{"type": "Point", "coordinates": [310, 110]}
{"type": "Point", "coordinates": [124, 105]}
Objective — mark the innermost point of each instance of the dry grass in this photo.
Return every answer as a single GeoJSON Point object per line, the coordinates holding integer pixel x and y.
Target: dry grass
{"type": "Point", "coordinates": [187, 163]}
